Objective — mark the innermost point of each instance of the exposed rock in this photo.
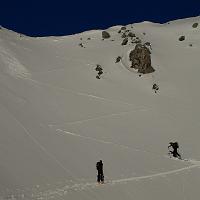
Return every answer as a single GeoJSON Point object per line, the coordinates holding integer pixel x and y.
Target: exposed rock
{"type": "Point", "coordinates": [155, 87]}
{"type": "Point", "coordinates": [148, 44]}
{"type": "Point", "coordinates": [125, 41]}
{"type": "Point", "coordinates": [137, 41]}
{"type": "Point", "coordinates": [141, 59]}
{"type": "Point", "coordinates": [130, 34]}
{"type": "Point", "coordinates": [118, 59]}
{"type": "Point", "coordinates": [123, 28]}
{"type": "Point", "coordinates": [99, 69]}
{"type": "Point", "coordinates": [124, 35]}
{"type": "Point", "coordinates": [195, 25]}
{"type": "Point", "coordinates": [98, 77]}
{"type": "Point", "coordinates": [105, 35]}
{"type": "Point", "coordinates": [182, 38]}
{"type": "Point", "coordinates": [100, 72]}
{"type": "Point", "coordinates": [81, 44]}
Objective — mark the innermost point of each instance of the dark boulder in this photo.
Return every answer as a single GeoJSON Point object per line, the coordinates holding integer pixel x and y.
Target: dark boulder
{"type": "Point", "coordinates": [182, 38]}
{"type": "Point", "coordinates": [80, 44]}
{"type": "Point", "coordinates": [195, 25]}
{"type": "Point", "coordinates": [118, 59]}
{"type": "Point", "coordinates": [123, 28]}
{"type": "Point", "coordinates": [125, 41]}
{"type": "Point", "coordinates": [141, 59]}
{"type": "Point", "coordinates": [130, 34]}
{"type": "Point", "coordinates": [98, 68]}
{"type": "Point", "coordinates": [124, 35]}
{"type": "Point", "coordinates": [105, 35]}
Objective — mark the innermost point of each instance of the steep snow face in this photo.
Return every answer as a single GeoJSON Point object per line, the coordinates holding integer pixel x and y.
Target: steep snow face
{"type": "Point", "coordinates": [57, 119]}
{"type": "Point", "coordinates": [11, 65]}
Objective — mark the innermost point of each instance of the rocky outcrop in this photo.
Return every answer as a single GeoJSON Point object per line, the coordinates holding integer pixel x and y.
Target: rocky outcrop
{"type": "Point", "coordinates": [123, 28]}
{"type": "Point", "coordinates": [105, 35]}
{"type": "Point", "coordinates": [130, 34]}
{"type": "Point", "coordinates": [125, 41]}
{"type": "Point", "coordinates": [141, 59]}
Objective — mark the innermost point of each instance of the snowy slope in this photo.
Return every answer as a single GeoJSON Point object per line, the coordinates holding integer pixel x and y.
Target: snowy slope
{"type": "Point", "coordinates": [57, 120]}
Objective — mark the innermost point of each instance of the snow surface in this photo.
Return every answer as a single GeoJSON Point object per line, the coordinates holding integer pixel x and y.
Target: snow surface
{"type": "Point", "coordinates": [57, 120]}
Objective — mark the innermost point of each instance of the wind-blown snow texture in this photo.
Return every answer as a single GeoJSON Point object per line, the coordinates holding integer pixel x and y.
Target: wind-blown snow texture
{"type": "Point", "coordinates": [57, 120]}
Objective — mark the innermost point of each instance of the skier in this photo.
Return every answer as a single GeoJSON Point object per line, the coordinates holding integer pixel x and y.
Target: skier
{"type": "Point", "coordinates": [100, 176]}
{"type": "Point", "coordinates": [174, 151]}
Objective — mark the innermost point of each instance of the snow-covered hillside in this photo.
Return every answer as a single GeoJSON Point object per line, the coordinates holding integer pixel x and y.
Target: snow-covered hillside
{"type": "Point", "coordinates": [57, 119]}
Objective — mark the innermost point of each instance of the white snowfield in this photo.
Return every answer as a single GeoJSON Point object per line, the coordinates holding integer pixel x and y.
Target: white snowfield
{"type": "Point", "coordinates": [57, 119]}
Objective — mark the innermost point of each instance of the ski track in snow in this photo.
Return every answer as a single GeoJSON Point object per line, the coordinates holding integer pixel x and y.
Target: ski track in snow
{"type": "Point", "coordinates": [37, 143]}
{"type": "Point", "coordinates": [105, 142]}
{"type": "Point", "coordinates": [89, 186]}
{"type": "Point", "coordinates": [142, 109]}
{"type": "Point", "coordinates": [78, 93]}
{"type": "Point", "coordinates": [13, 66]}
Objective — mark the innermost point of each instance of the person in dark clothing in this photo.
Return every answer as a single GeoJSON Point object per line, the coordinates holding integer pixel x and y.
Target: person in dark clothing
{"type": "Point", "coordinates": [100, 176]}
{"type": "Point", "coordinates": [174, 151]}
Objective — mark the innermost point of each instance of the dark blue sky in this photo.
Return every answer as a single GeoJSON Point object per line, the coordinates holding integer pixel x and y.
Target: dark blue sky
{"type": "Point", "coordinates": [41, 18]}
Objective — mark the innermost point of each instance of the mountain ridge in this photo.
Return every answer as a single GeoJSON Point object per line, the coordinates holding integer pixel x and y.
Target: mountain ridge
{"type": "Point", "coordinates": [57, 119]}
